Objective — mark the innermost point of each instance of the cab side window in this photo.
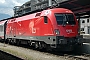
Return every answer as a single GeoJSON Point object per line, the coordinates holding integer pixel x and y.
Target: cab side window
{"type": "Point", "coordinates": [45, 19]}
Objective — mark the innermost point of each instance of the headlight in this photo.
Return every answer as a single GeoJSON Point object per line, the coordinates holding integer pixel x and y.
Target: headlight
{"type": "Point", "coordinates": [57, 32]}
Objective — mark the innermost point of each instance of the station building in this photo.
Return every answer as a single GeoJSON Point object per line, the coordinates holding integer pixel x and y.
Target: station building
{"type": "Point", "coordinates": [85, 25]}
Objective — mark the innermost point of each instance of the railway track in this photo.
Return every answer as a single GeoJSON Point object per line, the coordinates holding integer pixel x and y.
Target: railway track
{"type": "Point", "coordinates": [73, 57]}
{"type": "Point", "coordinates": [70, 55]}
{"type": "Point", "coordinates": [64, 55]}
{"type": "Point", "coordinates": [8, 56]}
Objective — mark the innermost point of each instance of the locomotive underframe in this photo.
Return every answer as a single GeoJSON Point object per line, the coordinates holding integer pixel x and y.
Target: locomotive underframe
{"type": "Point", "coordinates": [54, 42]}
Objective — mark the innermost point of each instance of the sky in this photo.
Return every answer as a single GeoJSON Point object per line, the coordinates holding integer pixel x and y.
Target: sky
{"type": "Point", "coordinates": [6, 6]}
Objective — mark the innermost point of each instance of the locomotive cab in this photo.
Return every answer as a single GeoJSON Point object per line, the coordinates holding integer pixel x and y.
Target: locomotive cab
{"type": "Point", "coordinates": [65, 27]}
{"type": "Point", "coordinates": [66, 24]}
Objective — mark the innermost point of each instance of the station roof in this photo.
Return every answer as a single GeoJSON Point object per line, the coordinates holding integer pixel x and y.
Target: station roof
{"type": "Point", "coordinates": [81, 8]}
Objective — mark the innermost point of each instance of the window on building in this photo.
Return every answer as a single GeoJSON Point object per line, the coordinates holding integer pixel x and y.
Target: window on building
{"type": "Point", "coordinates": [83, 21]}
{"type": "Point", "coordinates": [82, 29]}
{"type": "Point", "coordinates": [87, 20]}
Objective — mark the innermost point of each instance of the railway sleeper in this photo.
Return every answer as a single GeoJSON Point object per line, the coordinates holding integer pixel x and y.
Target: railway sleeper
{"type": "Point", "coordinates": [74, 57]}
{"type": "Point", "coordinates": [86, 55]}
{"type": "Point", "coordinates": [79, 58]}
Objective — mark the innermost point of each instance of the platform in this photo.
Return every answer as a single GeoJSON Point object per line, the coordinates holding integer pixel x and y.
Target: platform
{"type": "Point", "coordinates": [86, 38]}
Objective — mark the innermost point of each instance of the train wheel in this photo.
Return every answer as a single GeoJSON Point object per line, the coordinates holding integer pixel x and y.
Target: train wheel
{"type": "Point", "coordinates": [18, 42]}
{"type": "Point", "coordinates": [1, 40]}
{"type": "Point", "coordinates": [48, 48]}
{"type": "Point", "coordinates": [9, 41]}
{"type": "Point", "coordinates": [13, 41]}
{"type": "Point", "coordinates": [42, 45]}
{"type": "Point", "coordinates": [6, 41]}
{"type": "Point", "coordinates": [36, 45]}
{"type": "Point", "coordinates": [29, 43]}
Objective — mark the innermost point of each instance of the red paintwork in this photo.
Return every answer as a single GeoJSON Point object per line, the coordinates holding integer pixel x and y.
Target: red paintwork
{"type": "Point", "coordinates": [32, 25]}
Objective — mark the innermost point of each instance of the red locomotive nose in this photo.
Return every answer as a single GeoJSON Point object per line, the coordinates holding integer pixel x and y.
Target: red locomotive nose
{"type": "Point", "coordinates": [68, 31]}
{"type": "Point", "coordinates": [67, 24]}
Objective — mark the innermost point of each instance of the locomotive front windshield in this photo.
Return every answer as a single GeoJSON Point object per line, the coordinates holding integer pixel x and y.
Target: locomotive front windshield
{"type": "Point", "coordinates": [64, 19]}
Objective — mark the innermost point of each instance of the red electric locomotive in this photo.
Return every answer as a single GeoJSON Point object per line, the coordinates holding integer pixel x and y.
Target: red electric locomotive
{"type": "Point", "coordinates": [55, 28]}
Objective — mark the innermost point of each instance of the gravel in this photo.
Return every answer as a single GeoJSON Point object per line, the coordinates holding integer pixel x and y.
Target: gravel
{"type": "Point", "coordinates": [28, 54]}
{"type": "Point", "coordinates": [4, 56]}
